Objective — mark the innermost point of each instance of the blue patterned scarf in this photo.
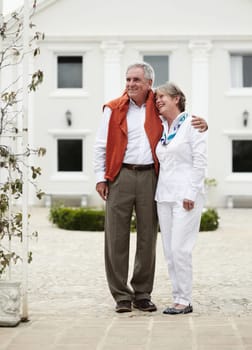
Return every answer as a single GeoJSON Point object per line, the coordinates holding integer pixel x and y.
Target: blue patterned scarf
{"type": "Point", "coordinates": [167, 137]}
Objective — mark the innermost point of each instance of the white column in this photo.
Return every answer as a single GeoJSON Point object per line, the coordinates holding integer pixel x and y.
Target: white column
{"type": "Point", "coordinates": [200, 77]}
{"type": "Point", "coordinates": [112, 69]}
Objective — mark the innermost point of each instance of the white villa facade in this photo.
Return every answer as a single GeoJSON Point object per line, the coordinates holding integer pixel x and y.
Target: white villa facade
{"type": "Point", "coordinates": [203, 46]}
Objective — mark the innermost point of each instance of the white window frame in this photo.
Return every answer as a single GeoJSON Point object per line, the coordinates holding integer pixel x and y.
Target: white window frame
{"type": "Point", "coordinates": [136, 51]}
{"type": "Point", "coordinates": [236, 74]}
{"type": "Point", "coordinates": [237, 135]}
{"type": "Point", "coordinates": [166, 54]}
{"type": "Point", "coordinates": [69, 175]}
{"type": "Point", "coordinates": [239, 49]}
{"type": "Point", "coordinates": [239, 172]}
{"type": "Point", "coordinates": [68, 92]}
{"type": "Point", "coordinates": [57, 68]}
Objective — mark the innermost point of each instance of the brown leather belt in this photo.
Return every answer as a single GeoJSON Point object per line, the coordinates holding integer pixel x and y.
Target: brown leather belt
{"type": "Point", "coordinates": [139, 167]}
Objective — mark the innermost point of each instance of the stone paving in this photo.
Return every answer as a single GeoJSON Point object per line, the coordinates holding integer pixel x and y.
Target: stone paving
{"type": "Point", "coordinates": [70, 307]}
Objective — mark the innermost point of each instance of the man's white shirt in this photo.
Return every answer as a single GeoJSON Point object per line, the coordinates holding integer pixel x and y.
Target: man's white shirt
{"type": "Point", "coordinates": [138, 149]}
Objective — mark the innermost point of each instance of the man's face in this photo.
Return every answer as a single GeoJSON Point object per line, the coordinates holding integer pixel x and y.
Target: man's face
{"type": "Point", "coordinates": [137, 85]}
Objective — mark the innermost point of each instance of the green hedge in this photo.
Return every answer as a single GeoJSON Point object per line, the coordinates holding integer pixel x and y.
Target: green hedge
{"type": "Point", "coordinates": [79, 219]}
{"type": "Point", "coordinates": [82, 219]}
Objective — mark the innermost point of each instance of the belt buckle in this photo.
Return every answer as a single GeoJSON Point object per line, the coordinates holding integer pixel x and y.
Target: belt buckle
{"type": "Point", "coordinates": [134, 167]}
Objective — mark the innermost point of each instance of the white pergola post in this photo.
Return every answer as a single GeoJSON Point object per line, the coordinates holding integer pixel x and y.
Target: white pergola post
{"type": "Point", "coordinates": [25, 129]}
{"type": "Point", "coordinates": [200, 77]}
{"type": "Point", "coordinates": [112, 68]}
{"type": "Point", "coordinates": [1, 46]}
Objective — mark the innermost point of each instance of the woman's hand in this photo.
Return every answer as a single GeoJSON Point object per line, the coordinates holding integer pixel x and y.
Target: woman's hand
{"type": "Point", "coordinates": [188, 204]}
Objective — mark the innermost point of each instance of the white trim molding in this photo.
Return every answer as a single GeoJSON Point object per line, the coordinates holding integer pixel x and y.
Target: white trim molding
{"type": "Point", "coordinates": [238, 92]}
{"type": "Point", "coordinates": [238, 134]}
{"type": "Point", "coordinates": [69, 133]}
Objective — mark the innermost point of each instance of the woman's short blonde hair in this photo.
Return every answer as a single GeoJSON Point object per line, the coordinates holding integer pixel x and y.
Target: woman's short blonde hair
{"type": "Point", "coordinates": [173, 90]}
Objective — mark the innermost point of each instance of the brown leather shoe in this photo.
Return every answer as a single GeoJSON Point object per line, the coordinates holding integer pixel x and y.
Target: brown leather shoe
{"type": "Point", "coordinates": [123, 306]}
{"type": "Point", "coordinates": [144, 305]}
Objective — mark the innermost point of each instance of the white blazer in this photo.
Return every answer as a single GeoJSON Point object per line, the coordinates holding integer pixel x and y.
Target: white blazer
{"type": "Point", "coordinates": [183, 164]}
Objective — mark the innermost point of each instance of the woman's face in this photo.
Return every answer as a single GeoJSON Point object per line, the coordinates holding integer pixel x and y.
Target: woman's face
{"type": "Point", "coordinates": [165, 103]}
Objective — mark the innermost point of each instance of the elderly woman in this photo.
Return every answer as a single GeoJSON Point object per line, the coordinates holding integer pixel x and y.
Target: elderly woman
{"type": "Point", "coordinates": [182, 153]}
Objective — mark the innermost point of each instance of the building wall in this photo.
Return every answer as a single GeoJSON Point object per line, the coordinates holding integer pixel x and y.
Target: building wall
{"type": "Point", "coordinates": [197, 35]}
{"type": "Point", "coordinates": [226, 106]}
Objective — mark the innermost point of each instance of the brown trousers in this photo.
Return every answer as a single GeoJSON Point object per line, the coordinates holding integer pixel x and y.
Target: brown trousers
{"type": "Point", "coordinates": [132, 189]}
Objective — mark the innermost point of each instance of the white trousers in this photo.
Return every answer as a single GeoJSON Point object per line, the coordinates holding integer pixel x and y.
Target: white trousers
{"type": "Point", "coordinates": [179, 229]}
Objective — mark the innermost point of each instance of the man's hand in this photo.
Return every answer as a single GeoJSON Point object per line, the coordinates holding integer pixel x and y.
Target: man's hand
{"type": "Point", "coordinates": [199, 123]}
{"type": "Point", "coordinates": [187, 204]}
{"type": "Point", "coordinates": [102, 189]}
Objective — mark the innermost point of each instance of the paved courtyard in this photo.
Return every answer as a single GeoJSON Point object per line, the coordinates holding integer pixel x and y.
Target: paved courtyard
{"type": "Point", "coordinates": [70, 306]}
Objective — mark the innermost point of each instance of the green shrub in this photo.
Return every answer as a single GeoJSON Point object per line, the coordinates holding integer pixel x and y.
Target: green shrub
{"type": "Point", "coordinates": [209, 220]}
{"type": "Point", "coordinates": [82, 219]}
{"type": "Point", "coordinates": [77, 219]}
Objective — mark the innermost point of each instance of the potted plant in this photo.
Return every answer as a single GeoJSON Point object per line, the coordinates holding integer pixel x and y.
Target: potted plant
{"type": "Point", "coordinates": [11, 231]}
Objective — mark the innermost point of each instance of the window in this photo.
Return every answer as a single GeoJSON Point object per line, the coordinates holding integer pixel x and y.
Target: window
{"type": "Point", "coordinates": [242, 161]}
{"type": "Point", "coordinates": [69, 72]}
{"type": "Point", "coordinates": [70, 154]}
{"type": "Point", "coordinates": [160, 64]}
{"type": "Point", "coordinates": [241, 70]}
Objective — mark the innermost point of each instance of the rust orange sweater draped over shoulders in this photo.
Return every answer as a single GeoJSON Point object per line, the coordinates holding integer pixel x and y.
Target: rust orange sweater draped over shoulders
{"type": "Point", "coordinates": [117, 138]}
